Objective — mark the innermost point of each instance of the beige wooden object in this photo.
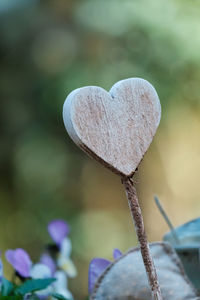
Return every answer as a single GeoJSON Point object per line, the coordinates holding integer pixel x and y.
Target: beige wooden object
{"type": "Point", "coordinates": [115, 127]}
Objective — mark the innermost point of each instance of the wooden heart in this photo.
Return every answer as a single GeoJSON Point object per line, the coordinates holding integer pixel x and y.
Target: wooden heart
{"type": "Point", "coordinates": [116, 127]}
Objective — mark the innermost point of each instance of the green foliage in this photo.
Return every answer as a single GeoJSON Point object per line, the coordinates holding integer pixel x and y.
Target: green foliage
{"type": "Point", "coordinates": [34, 285]}
{"type": "Point", "coordinates": [9, 290]}
{"type": "Point", "coordinates": [6, 288]}
{"type": "Point", "coordinates": [13, 297]}
{"type": "Point", "coordinates": [18, 297]}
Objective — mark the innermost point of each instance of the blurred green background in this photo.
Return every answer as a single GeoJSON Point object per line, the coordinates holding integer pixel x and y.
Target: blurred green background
{"type": "Point", "coordinates": [47, 49]}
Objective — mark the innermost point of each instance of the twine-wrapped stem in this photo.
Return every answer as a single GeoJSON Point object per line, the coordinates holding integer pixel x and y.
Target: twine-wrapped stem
{"type": "Point", "coordinates": [142, 238]}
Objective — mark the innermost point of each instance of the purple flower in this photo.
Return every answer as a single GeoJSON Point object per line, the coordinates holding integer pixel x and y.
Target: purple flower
{"type": "Point", "coordinates": [97, 267]}
{"type": "Point", "coordinates": [48, 261]}
{"type": "Point", "coordinates": [58, 230]}
{"type": "Point", "coordinates": [116, 254]}
{"type": "Point", "coordinates": [20, 260]}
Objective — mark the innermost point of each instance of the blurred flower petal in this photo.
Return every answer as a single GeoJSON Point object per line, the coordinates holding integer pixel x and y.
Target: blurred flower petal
{"type": "Point", "coordinates": [58, 230]}
{"type": "Point", "coordinates": [67, 265]}
{"type": "Point", "coordinates": [117, 253]}
{"type": "Point", "coordinates": [96, 268]}
{"type": "Point", "coordinates": [60, 285]}
{"type": "Point", "coordinates": [66, 247]}
{"type": "Point", "coordinates": [64, 262]}
{"type": "Point", "coordinates": [20, 260]}
{"type": "Point", "coordinates": [65, 293]}
{"type": "Point", "coordinates": [40, 271]}
{"type": "Point", "coordinates": [48, 261]}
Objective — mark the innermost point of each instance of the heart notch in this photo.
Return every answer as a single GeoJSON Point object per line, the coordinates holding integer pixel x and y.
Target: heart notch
{"type": "Point", "coordinates": [117, 127]}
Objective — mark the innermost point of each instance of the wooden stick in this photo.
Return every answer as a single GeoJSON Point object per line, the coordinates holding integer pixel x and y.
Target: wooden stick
{"type": "Point", "coordinates": [142, 238]}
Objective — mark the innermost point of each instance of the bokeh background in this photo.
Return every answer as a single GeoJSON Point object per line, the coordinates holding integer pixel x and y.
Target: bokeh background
{"type": "Point", "coordinates": [47, 49]}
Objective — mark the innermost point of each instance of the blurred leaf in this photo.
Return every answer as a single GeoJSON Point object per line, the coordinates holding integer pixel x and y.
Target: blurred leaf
{"type": "Point", "coordinates": [13, 297]}
{"type": "Point", "coordinates": [7, 287]}
{"type": "Point", "coordinates": [34, 285]}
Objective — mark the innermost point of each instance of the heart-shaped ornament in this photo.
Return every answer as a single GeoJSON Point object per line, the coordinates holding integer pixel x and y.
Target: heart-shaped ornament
{"type": "Point", "coordinates": [116, 127]}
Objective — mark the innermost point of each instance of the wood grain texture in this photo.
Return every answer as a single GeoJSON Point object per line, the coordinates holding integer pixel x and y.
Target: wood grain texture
{"type": "Point", "coordinates": [116, 127]}
{"type": "Point", "coordinates": [142, 238]}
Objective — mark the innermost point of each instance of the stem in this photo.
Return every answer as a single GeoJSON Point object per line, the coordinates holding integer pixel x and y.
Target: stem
{"type": "Point", "coordinates": [142, 238]}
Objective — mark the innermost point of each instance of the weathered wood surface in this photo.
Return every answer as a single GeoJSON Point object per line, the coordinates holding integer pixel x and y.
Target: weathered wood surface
{"type": "Point", "coordinates": [142, 238]}
{"type": "Point", "coordinates": [125, 278]}
{"type": "Point", "coordinates": [116, 127]}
